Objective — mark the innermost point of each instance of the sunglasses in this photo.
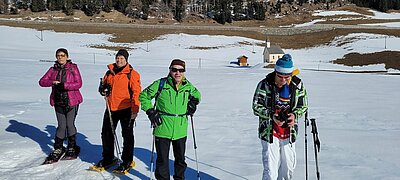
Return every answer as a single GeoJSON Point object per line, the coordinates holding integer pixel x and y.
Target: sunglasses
{"type": "Point", "coordinates": [176, 70]}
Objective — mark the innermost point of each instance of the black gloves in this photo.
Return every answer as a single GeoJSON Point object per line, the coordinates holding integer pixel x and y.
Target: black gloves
{"type": "Point", "coordinates": [282, 117]}
{"type": "Point", "coordinates": [59, 86]}
{"type": "Point", "coordinates": [104, 89]}
{"type": "Point", "coordinates": [154, 117]}
{"type": "Point", "coordinates": [192, 105]}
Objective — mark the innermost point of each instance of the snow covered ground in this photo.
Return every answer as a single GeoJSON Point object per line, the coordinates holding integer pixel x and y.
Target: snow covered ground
{"type": "Point", "coordinates": [377, 15]}
{"type": "Point", "coordinates": [356, 113]}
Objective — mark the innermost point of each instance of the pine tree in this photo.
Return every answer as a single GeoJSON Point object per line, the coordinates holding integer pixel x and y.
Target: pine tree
{"type": "Point", "coordinates": [396, 4]}
{"type": "Point", "coordinates": [107, 7]}
{"type": "Point", "coordinates": [38, 5]}
{"type": "Point", "coordinates": [55, 5]}
{"type": "Point", "coordinates": [383, 5]}
{"type": "Point", "coordinates": [238, 11]}
{"type": "Point", "coordinates": [77, 4]}
{"type": "Point", "coordinates": [250, 10]}
{"type": "Point", "coordinates": [3, 6]}
{"type": "Point", "coordinates": [120, 5]}
{"type": "Point", "coordinates": [259, 11]}
{"type": "Point", "coordinates": [92, 7]}
{"type": "Point", "coordinates": [178, 13]}
{"type": "Point", "coordinates": [23, 4]}
{"type": "Point", "coordinates": [134, 9]}
{"type": "Point", "coordinates": [68, 8]}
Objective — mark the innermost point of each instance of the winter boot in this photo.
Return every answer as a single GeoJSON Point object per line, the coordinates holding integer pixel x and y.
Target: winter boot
{"type": "Point", "coordinates": [72, 149]}
{"type": "Point", "coordinates": [104, 164]}
{"type": "Point", "coordinates": [58, 152]}
{"type": "Point", "coordinates": [58, 143]}
{"type": "Point", "coordinates": [124, 167]}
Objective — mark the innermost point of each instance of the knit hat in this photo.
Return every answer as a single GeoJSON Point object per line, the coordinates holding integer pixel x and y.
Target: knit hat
{"type": "Point", "coordinates": [284, 65]}
{"type": "Point", "coordinates": [177, 62]}
{"type": "Point", "coordinates": [65, 51]}
{"type": "Point", "coordinates": [122, 52]}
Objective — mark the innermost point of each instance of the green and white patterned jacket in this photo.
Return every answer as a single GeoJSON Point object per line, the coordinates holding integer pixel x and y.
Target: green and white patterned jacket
{"type": "Point", "coordinates": [264, 105]}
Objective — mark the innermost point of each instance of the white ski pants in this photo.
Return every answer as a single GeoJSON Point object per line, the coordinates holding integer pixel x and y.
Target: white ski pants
{"type": "Point", "coordinates": [279, 159]}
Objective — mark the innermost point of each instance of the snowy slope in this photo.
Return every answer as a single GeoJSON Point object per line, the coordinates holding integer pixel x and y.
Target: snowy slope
{"type": "Point", "coordinates": [356, 113]}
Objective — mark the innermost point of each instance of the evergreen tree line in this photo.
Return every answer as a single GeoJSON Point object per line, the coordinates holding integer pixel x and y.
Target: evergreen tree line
{"type": "Point", "coordinates": [380, 5]}
{"type": "Point", "coordinates": [223, 11]}
{"type": "Point", "coordinates": [89, 7]}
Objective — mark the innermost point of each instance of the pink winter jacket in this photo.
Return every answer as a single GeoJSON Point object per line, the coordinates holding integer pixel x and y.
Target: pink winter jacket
{"type": "Point", "coordinates": [73, 82]}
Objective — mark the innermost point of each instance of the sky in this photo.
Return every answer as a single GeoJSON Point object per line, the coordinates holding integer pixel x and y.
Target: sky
{"type": "Point", "coordinates": [355, 113]}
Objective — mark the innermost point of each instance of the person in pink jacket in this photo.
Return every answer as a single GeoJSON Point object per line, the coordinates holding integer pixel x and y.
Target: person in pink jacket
{"type": "Point", "coordinates": [65, 81]}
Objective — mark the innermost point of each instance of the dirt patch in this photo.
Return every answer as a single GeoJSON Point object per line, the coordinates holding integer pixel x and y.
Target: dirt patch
{"type": "Point", "coordinates": [356, 22]}
{"type": "Point", "coordinates": [354, 8]}
{"type": "Point", "coordinates": [391, 59]}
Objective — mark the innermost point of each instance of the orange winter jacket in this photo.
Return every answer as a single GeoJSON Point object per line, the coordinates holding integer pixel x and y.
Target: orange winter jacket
{"type": "Point", "coordinates": [120, 97]}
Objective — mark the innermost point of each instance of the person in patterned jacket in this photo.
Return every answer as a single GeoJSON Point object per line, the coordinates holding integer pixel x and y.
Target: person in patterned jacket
{"type": "Point", "coordinates": [279, 101]}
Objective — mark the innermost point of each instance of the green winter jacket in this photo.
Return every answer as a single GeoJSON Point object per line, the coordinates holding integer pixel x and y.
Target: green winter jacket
{"type": "Point", "coordinates": [172, 106]}
{"type": "Point", "coordinates": [264, 105]}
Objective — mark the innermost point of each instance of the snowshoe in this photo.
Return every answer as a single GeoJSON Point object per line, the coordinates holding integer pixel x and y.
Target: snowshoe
{"type": "Point", "coordinates": [103, 165]}
{"type": "Point", "coordinates": [56, 155]}
{"type": "Point", "coordinates": [124, 168]}
{"type": "Point", "coordinates": [72, 153]}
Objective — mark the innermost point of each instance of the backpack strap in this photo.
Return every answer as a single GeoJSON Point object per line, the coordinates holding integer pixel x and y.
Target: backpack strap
{"type": "Point", "coordinates": [129, 84]}
{"type": "Point", "coordinates": [160, 87]}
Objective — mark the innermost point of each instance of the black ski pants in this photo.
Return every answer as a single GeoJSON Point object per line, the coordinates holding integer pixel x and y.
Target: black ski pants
{"type": "Point", "coordinates": [162, 162]}
{"type": "Point", "coordinates": [107, 136]}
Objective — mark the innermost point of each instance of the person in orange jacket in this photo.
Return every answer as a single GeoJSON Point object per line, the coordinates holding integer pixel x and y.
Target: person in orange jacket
{"type": "Point", "coordinates": [121, 87]}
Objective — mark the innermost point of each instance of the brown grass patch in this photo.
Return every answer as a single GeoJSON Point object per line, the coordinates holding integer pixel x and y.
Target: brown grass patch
{"type": "Point", "coordinates": [389, 58]}
{"type": "Point", "coordinates": [356, 22]}
{"type": "Point", "coordinates": [354, 8]}
{"type": "Point", "coordinates": [204, 48]}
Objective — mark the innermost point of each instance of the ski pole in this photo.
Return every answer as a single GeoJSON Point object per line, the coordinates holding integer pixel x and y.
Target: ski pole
{"type": "Point", "coordinates": [306, 123]}
{"type": "Point", "coordinates": [195, 148]}
{"type": "Point", "coordinates": [152, 159]}
{"type": "Point", "coordinates": [317, 145]}
{"type": "Point", "coordinates": [112, 129]}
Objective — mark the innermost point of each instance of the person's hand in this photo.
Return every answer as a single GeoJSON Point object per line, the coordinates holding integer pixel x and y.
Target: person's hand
{"type": "Point", "coordinates": [56, 82]}
{"type": "Point", "coordinates": [192, 105]}
{"type": "Point", "coordinates": [133, 116]}
{"type": "Point", "coordinates": [275, 117]}
{"type": "Point", "coordinates": [105, 89]}
{"type": "Point", "coordinates": [59, 86]}
{"type": "Point", "coordinates": [291, 119]}
{"type": "Point", "coordinates": [154, 117]}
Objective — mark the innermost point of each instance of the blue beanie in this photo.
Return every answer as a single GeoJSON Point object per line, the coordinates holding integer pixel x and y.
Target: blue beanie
{"type": "Point", "coordinates": [284, 65]}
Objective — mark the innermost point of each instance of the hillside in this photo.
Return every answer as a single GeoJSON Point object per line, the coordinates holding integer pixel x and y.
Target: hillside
{"type": "Point", "coordinates": [128, 30]}
{"type": "Point", "coordinates": [353, 111]}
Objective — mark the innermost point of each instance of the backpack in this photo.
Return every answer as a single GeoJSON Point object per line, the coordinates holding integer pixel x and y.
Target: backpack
{"type": "Point", "coordinates": [160, 87]}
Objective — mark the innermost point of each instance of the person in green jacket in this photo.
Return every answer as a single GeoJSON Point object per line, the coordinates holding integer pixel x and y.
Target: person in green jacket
{"type": "Point", "coordinates": [177, 100]}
